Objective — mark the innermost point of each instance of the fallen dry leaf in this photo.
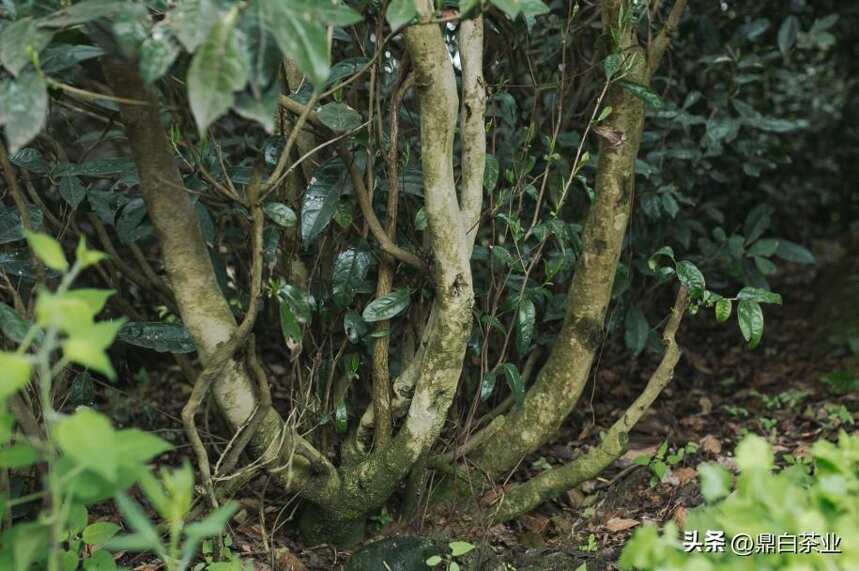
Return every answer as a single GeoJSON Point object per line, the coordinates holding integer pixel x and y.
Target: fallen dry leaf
{"type": "Point", "coordinates": [616, 524]}
{"type": "Point", "coordinates": [686, 475]}
{"type": "Point", "coordinates": [287, 561]}
{"type": "Point", "coordinates": [711, 445]}
{"type": "Point", "coordinates": [679, 516]}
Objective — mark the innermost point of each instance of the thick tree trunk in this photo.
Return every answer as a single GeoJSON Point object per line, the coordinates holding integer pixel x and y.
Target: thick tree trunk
{"type": "Point", "coordinates": [202, 306]}
{"type": "Point", "coordinates": [563, 378]}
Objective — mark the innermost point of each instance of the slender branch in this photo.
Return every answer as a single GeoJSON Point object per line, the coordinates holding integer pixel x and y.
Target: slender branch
{"type": "Point", "coordinates": [472, 124]}
{"type": "Point", "coordinates": [361, 192]}
{"type": "Point", "coordinates": [663, 39]}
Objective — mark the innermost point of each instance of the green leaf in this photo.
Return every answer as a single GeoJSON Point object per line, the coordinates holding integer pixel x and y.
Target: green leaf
{"type": "Point", "coordinates": [136, 447]}
{"type": "Point", "coordinates": [754, 453]}
{"type": "Point", "coordinates": [723, 310]}
{"type": "Point", "coordinates": [339, 117]}
{"type": "Point", "coordinates": [636, 330]}
{"type": "Point", "coordinates": [490, 173]}
{"type": "Point", "coordinates": [611, 65]}
{"type": "Point", "coordinates": [20, 41]}
{"type": "Point", "coordinates": [642, 92]}
{"type": "Point", "coordinates": [528, 8]}
{"type": "Point", "coordinates": [434, 560]}
{"type": "Point", "coordinates": [349, 275]}
{"type": "Point", "coordinates": [263, 108]}
{"type": "Point", "coordinates": [7, 423]}
{"type": "Point", "coordinates": [751, 320]}
{"type": "Point", "coordinates": [72, 191]}
{"type": "Point", "coordinates": [157, 53]}
{"type": "Point", "coordinates": [218, 70]}
{"type": "Point", "coordinates": [100, 532]}
{"type": "Point", "coordinates": [146, 536]}
{"type": "Point", "coordinates": [191, 21]}
{"type": "Point", "coordinates": [299, 300]}
{"type": "Point", "coordinates": [459, 548]}
{"type": "Point", "coordinates": [82, 12]}
{"type": "Point", "coordinates": [87, 257]}
{"type": "Point", "coordinates": [69, 561]}
{"type": "Point", "coordinates": [666, 251]}
{"type": "Point", "coordinates": [102, 168]}
{"type": "Point", "coordinates": [18, 456]}
{"type": "Point", "coordinates": [487, 385]}
{"type": "Point", "coordinates": [787, 33]}
{"type": "Point", "coordinates": [689, 275]}
{"type": "Point", "coordinates": [400, 13]}
{"type": "Point", "coordinates": [301, 38]}
{"type": "Point", "coordinates": [213, 524]}
{"type": "Point", "coordinates": [793, 252]}
{"type": "Point", "coordinates": [341, 417]}
{"type": "Point", "coordinates": [11, 324]}
{"type": "Point", "coordinates": [765, 248]}
{"type": "Point", "coordinates": [715, 481]}
{"type": "Point", "coordinates": [48, 250]}
{"type": "Point", "coordinates": [23, 108]}
{"type": "Point", "coordinates": [16, 373]}
{"type": "Point", "coordinates": [319, 203]}
{"type": "Point", "coordinates": [88, 438]}
{"type": "Point", "coordinates": [289, 325]}
{"type": "Point", "coordinates": [101, 560]}
{"type": "Point", "coordinates": [387, 306]}
{"type": "Point", "coordinates": [333, 13]}
{"type": "Point", "coordinates": [526, 319]}
{"type": "Point", "coordinates": [514, 381]}
{"type": "Point", "coordinates": [354, 327]}
{"type": "Point", "coordinates": [759, 295]}
{"type": "Point", "coordinates": [161, 337]}
{"type": "Point", "coordinates": [87, 346]}
{"type": "Point", "coordinates": [281, 214]}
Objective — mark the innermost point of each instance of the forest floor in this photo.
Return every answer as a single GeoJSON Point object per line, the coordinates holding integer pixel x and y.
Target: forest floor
{"type": "Point", "coordinates": [721, 391]}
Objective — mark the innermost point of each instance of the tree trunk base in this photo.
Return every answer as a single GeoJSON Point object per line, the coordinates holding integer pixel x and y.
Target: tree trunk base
{"type": "Point", "coordinates": [337, 528]}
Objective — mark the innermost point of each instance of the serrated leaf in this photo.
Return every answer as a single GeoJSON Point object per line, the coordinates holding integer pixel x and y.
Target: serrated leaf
{"type": "Point", "coordinates": [723, 310]}
{"type": "Point", "coordinates": [20, 41]}
{"type": "Point", "coordinates": [48, 250]}
{"type": "Point", "coordinates": [387, 306]}
{"type": "Point", "coordinates": [759, 295]}
{"type": "Point", "coordinates": [339, 117]}
{"type": "Point", "coordinates": [341, 417]}
{"type": "Point", "coordinates": [751, 319]}
{"type": "Point", "coordinates": [642, 92]}
{"type": "Point", "coordinates": [319, 203]}
{"type": "Point", "coordinates": [689, 275]}
{"type": "Point", "coordinates": [400, 13]}
{"type": "Point", "coordinates": [793, 252]}
{"type": "Point", "coordinates": [490, 173]}
{"type": "Point", "coordinates": [302, 39]}
{"type": "Point", "coordinates": [526, 320]}
{"type": "Point", "coordinates": [161, 337]}
{"type": "Point", "coordinates": [218, 70]}
{"type": "Point", "coordinates": [18, 456]}
{"type": "Point", "coordinates": [787, 33]}
{"type": "Point", "coordinates": [23, 108]}
{"type": "Point", "coordinates": [514, 381]}
{"type": "Point", "coordinates": [157, 53]}
{"type": "Point", "coordinates": [636, 330]}
{"type": "Point", "coordinates": [72, 191]}
{"type": "Point", "coordinates": [487, 384]}
{"type": "Point", "coordinates": [82, 12]}
{"type": "Point", "coordinates": [281, 214]}
{"type": "Point", "coordinates": [88, 438]}
{"type": "Point", "coordinates": [99, 533]}
{"type": "Point", "coordinates": [348, 275]}
{"type": "Point", "coordinates": [528, 8]}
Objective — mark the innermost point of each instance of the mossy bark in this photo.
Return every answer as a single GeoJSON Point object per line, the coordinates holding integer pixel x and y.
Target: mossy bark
{"type": "Point", "coordinates": [562, 379]}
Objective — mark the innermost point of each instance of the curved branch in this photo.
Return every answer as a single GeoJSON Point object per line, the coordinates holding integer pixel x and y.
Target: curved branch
{"type": "Point", "coordinates": [472, 123]}
{"type": "Point", "coordinates": [361, 192]}
{"type": "Point", "coordinates": [526, 496]}
{"type": "Point", "coordinates": [660, 43]}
